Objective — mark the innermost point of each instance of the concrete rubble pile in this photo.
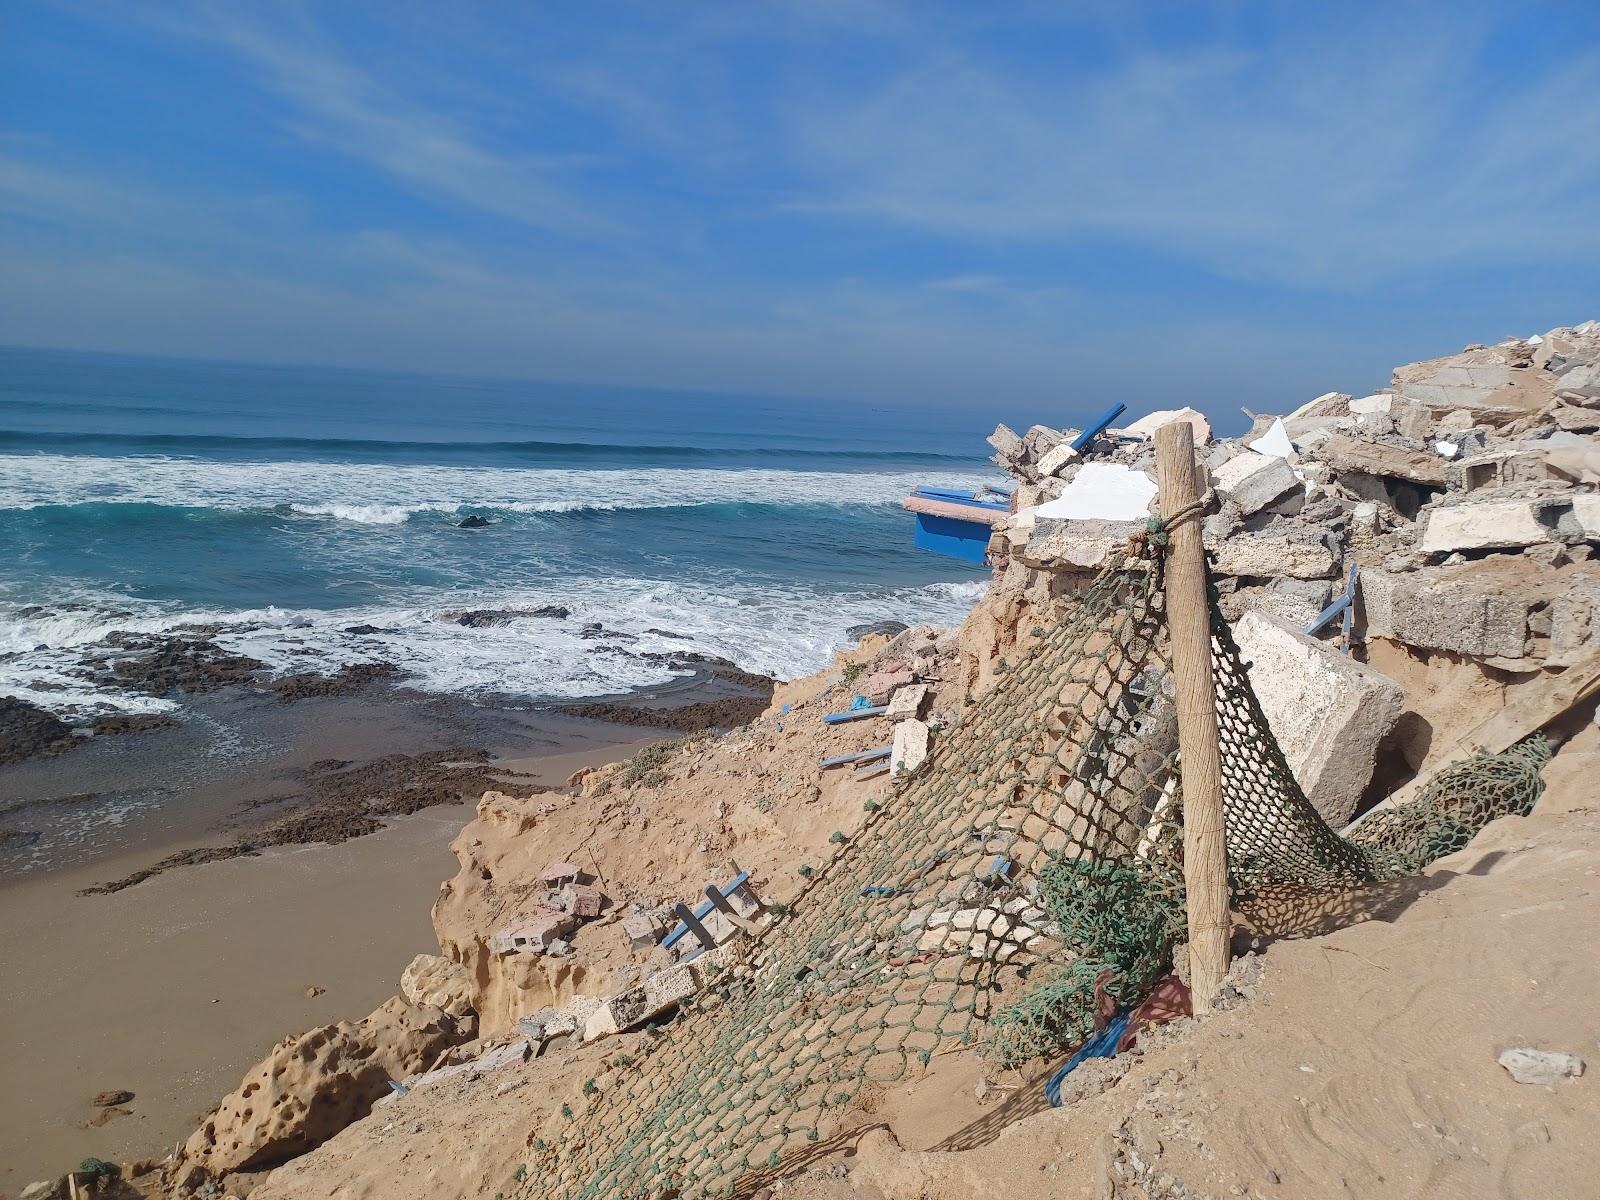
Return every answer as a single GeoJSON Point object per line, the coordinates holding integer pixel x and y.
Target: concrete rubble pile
{"type": "Point", "coordinates": [1464, 494]}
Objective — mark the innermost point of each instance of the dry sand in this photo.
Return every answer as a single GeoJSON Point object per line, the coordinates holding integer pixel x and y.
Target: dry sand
{"type": "Point", "coordinates": [173, 988]}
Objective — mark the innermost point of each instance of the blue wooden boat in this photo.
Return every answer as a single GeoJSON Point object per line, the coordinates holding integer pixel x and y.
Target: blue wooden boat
{"type": "Point", "coordinates": [956, 523]}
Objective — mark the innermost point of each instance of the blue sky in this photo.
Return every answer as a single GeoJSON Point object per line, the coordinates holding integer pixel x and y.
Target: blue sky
{"type": "Point", "coordinates": [1009, 204]}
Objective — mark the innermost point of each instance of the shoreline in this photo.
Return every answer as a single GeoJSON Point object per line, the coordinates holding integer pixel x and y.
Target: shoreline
{"type": "Point", "coordinates": [173, 987]}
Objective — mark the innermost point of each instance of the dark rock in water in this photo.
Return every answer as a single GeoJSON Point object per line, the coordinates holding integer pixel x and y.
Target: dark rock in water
{"type": "Point", "coordinates": [482, 618]}
{"type": "Point", "coordinates": [346, 682]}
{"type": "Point", "coordinates": [473, 522]}
{"type": "Point", "coordinates": [26, 730]}
{"type": "Point", "coordinates": [886, 628]}
{"type": "Point", "coordinates": [169, 664]}
{"type": "Point", "coordinates": [686, 718]}
{"type": "Point", "coordinates": [667, 633]}
{"type": "Point", "coordinates": [364, 630]}
{"type": "Point", "coordinates": [18, 838]}
{"type": "Point", "coordinates": [339, 800]}
{"type": "Point", "coordinates": [133, 723]}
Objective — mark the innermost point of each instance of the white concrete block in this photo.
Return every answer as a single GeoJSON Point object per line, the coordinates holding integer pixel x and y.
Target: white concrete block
{"type": "Point", "coordinates": [1327, 711]}
{"type": "Point", "coordinates": [1253, 481]}
{"type": "Point", "coordinates": [1053, 460]}
{"type": "Point", "coordinates": [907, 702]}
{"type": "Point", "coordinates": [1497, 525]}
{"type": "Point", "coordinates": [910, 747]}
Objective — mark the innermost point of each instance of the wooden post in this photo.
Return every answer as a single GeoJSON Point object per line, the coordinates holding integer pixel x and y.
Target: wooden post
{"type": "Point", "coordinates": [1205, 845]}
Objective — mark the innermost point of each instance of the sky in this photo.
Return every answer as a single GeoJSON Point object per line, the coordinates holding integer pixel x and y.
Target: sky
{"type": "Point", "coordinates": [1009, 204]}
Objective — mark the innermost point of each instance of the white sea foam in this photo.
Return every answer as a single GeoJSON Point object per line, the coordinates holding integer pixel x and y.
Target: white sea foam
{"type": "Point", "coordinates": [770, 631]}
{"type": "Point", "coordinates": [383, 494]}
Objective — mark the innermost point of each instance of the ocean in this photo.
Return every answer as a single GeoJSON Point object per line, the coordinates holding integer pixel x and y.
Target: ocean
{"type": "Point", "coordinates": [311, 518]}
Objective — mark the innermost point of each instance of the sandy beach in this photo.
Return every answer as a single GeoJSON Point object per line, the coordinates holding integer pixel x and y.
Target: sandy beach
{"type": "Point", "coordinates": [172, 988]}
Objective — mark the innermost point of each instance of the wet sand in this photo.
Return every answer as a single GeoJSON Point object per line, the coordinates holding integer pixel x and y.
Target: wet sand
{"type": "Point", "coordinates": [172, 988]}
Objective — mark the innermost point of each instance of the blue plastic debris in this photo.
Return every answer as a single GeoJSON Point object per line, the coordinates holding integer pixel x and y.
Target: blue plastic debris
{"type": "Point", "coordinates": [1101, 1045]}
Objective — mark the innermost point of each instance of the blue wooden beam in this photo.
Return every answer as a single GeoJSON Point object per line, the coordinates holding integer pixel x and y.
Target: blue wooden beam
{"type": "Point", "coordinates": [1080, 442]}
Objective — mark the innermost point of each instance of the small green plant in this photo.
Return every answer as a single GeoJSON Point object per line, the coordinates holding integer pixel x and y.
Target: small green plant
{"type": "Point", "coordinates": [806, 870]}
{"type": "Point", "coordinates": [520, 1173]}
{"type": "Point", "coordinates": [852, 672]}
{"type": "Point", "coordinates": [566, 1111]}
{"type": "Point", "coordinates": [590, 1087]}
{"type": "Point", "coordinates": [836, 837]}
{"type": "Point", "coordinates": [648, 767]}
{"type": "Point", "coordinates": [763, 803]}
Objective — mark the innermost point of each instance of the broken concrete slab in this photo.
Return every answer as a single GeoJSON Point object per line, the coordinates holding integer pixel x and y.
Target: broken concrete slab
{"type": "Point", "coordinates": [1329, 404]}
{"type": "Point", "coordinates": [670, 985]}
{"type": "Point", "coordinates": [1348, 454]}
{"type": "Point", "coordinates": [1271, 556]}
{"type": "Point", "coordinates": [1327, 711]}
{"type": "Point", "coordinates": [1444, 609]}
{"type": "Point", "coordinates": [1052, 461]}
{"type": "Point", "coordinates": [1146, 426]}
{"type": "Point", "coordinates": [1483, 525]}
{"type": "Point", "coordinates": [1008, 445]}
{"type": "Point", "coordinates": [910, 747]}
{"type": "Point", "coordinates": [616, 1013]}
{"type": "Point", "coordinates": [1103, 492]}
{"type": "Point", "coordinates": [1253, 481]}
{"type": "Point", "coordinates": [1081, 545]}
{"type": "Point", "coordinates": [907, 702]}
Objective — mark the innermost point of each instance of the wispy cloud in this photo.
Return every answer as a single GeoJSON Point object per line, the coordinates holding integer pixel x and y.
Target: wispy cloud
{"type": "Point", "coordinates": [339, 105]}
{"type": "Point", "coordinates": [1326, 158]}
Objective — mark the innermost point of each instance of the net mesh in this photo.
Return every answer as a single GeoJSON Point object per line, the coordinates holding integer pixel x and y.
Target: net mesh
{"type": "Point", "coordinates": [975, 906]}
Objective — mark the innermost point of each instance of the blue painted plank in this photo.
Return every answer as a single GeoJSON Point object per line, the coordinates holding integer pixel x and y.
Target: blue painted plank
{"type": "Point", "coordinates": [704, 910]}
{"type": "Point", "coordinates": [1099, 427]}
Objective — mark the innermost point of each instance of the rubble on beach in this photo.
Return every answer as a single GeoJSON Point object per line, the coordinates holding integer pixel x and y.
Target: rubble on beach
{"type": "Point", "coordinates": [1461, 499]}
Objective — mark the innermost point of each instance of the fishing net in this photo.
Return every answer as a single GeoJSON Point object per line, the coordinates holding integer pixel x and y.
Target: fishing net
{"type": "Point", "coordinates": [1037, 851]}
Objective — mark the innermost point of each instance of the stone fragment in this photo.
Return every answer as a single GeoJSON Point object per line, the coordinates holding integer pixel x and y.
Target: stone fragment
{"type": "Point", "coordinates": [616, 1013]}
{"type": "Point", "coordinates": [1483, 525]}
{"type": "Point", "coordinates": [907, 702]}
{"type": "Point", "coordinates": [312, 1086]}
{"type": "Point", "coordinates": [1272, 556]}
{"type": "Point", "coordinates": [1145, 427]}
{"type": "Point", "coordinates": [439, 983]}
{"type": "Point", "coordinates": [1085, 545]}
{"type": "Point", "coordinates": [910, 747]}
{"type": "Point", "coordinates": [1103, 492]}
{"type": "Point", "coordinates": [1444, 609]}
{"type": "Point", "coordinates": [44, 1189]}
{"type": "Point", "coordinates": [882, 684]}
{"type": "Point", "coordinates": [1381, 460]}
{"type": "Point", "coordinates": [1009, 448]}
{"type": "Point", "coordinates": [112, 1098]}
{"type": "Point", "coordinates": [1253, 481]}
{"type": "Point", "coordinates": [1458, 421]}
{"type": "Point", "coordinates": [669, 985]}
{"type": "Point", "coordinates": [1540, 1068]}
{"type": "Point", "coordinates": [1482, 382]}
{"type": "Point", "coordinates": [1053, 460]}
{"type": "Point", "coordinates": [1329, 404]}
{"type": "Point", "coordinates": [1327, 711]}
{"type": "Point", "coordinates": [643, 930]}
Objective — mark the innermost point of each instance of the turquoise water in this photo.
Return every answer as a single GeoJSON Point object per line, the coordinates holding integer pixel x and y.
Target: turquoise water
{"type": "Point", "coordinates": [313, 514]}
